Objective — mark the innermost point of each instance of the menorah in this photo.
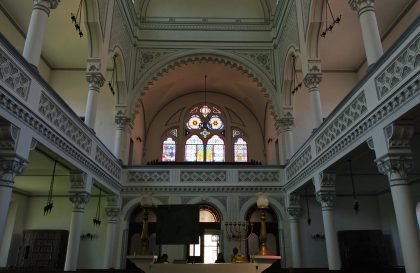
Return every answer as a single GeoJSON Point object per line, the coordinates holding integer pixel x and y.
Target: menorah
{"type": "Point", "coordinates": [239, 231]}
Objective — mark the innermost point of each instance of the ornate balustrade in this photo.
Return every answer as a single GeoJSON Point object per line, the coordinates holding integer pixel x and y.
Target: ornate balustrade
{"type": "Point", "coordinates": [390, 88]}
{"type": "Point", "coordinates": [27, 101]}
{"type": "Point", "coordinates": [201, 178]}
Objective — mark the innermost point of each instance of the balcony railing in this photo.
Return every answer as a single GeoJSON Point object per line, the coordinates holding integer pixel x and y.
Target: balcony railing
{"type": "Point", "coordinates": [390, 88]}
{"type": "Point", "coordinates": [28, 101]}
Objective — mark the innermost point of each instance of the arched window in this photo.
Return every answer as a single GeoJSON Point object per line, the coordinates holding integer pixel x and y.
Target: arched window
{"type": "Point", "coordinates": [194, 149]}
{"type": "Point", "coordinates": [206, 126]}
{"type": "Point", "coordinates": [240, 146]}
{"type": "Point", "coordinates": [215, 151]}
{"type": "Point", "coordinates": [169, 145]}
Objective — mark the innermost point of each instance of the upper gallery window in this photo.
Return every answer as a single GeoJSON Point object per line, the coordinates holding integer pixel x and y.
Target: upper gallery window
{"type": "Point", "coordinates": [169, 145]}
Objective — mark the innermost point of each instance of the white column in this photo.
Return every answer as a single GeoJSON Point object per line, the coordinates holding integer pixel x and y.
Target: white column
{"type": "Point", "coordinates": [35, 37]}
{"type": "Point", "coordinates": [396, 167]}
{"type": "Point", "coordinates": [95, 81]}
{"type": "Point", "coordinates": [287, 122]}
{"type": "Point", "coordinates": [10, 166]}
{"type": "Point", "coordinates": [121, 144]}
{"type": "Point", "coordinates": [294, 210]}
{"type": "Point", "coordinates": [369, 25]}
{"type": "Point", "coordinates": [79, 196]}
{"type": "Point", "coordinates": [112, 212]}
{"type": "Point", "coordinates": [325, 195]}
{"type": "Point", "coordinates": [312, 81]}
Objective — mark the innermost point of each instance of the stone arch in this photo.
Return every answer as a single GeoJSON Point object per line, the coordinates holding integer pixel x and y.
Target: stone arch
{"type": "Point", "coordinates": [131, 205]}
{"type": "Point", "coordinates": [171, 61]}
{"type": "Point", "coordinates": [314, 29]}
{"type": "Point", "coordinates": [211, 201]}
{"type": "Point", "coordinates": [93, 26]}
{"type": "Point", "coordinates": [274, 204]}
{"type": "Point", "coordinates": [121, 94]}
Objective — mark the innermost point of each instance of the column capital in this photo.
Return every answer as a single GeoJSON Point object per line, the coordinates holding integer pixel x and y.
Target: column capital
{"type": "Point", "coordinates": [312, 80]}
{"type": "Point", "coordinates": [287, 121]}
{"type": "Point", "coordinates": [294, 213]}
{"type": "Point", "coordinates": [396, 167]}
{"type": "Point", "coordinates": [79, 199]}
{"type": "Point", "coordinates": [122, 120]}
{"type": "Point", "coordinates": [112, 214]}
{"type": "Point", "coordinates": [326, 198]}
{"type": "Point", "coordinates": [10, 166]}
{"type": "Point", "coordinates": [95, 79]}
{"type": "Point", "coordinates": [45, 5]}
{"type": "Point", "coordinates": [362, 6]}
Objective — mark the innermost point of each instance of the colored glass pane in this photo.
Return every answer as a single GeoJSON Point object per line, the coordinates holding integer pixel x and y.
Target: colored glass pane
{"type": "Point", "coordinates": [168, 149]}
{"type": "Point", "coordinates": [236, 133]}
{"type": "Point", "coordinates": [215, 123]}
{"type": "Point", "coordinates": [174, 132]}
{"type": "Point", "coordinates": [194, 149]}
{"type": "Point", "coordinates": [240, 150]}
{"type": "Point", "coordinates": [194, 122]}
{"type": "Point", "coordinates": [216, 110]}
{"type": "Point", "coordinates": [215, 149]}
{"type": "Point", "coordinates": [205, 110]}
{"type": "Point", "coordinates": [205, 133]}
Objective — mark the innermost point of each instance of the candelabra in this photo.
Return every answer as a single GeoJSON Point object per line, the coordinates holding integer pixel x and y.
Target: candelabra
{"type": "Point", "coordinates": [262, 204]}
{"type": "Point", "coordinates": [239, 231]}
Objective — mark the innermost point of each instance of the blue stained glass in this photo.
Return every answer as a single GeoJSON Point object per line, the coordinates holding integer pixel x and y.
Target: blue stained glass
{"type": "Point", "coordinates": [215, 149]}
{"type": "Point", "coordinates": [240, 150]}
{"type": "Point", "coordinates": [194, 149]}
{"type": "Point", "coordinates": [168, 149]}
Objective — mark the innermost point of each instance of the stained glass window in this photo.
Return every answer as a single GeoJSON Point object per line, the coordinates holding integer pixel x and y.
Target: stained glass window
{"type": "Point", "coordinates": [194, 149]}
{"type": "Point", "coordinates": [215, 149]}
{"type": "Point", "coordinates": [215, 123]}
{"type": "Point", "coordinates": [194, 122]}
{"type": "Point", "coordinates": [240, 150]}
{"type": "Point", "coordinates": [205, 110]}
{"type": "Point", "coordinates": [168, 149]}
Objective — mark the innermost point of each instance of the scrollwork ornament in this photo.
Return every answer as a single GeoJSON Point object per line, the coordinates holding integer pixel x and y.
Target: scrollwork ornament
{"type": "Point", "coordinates": [9, 168]}
{"type": "Point", "coordinates": [326, 198]}
{"type": "Point", "coordinates": [79, 199]}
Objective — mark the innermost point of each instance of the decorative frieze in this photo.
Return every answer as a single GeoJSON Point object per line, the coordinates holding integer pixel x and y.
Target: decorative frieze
{"type": "Point", "coordinates": [203, 176]}
{"type": "Point", "coordinates": [62, 122]}
{"type": "Point", "coordinates": [13, 77]}
{"type": "Point", "coordinates": [148, 176]}
{"type": "Point", "coordinates": [107, 162]}
{"type": "Point", "coordinates": [342, 122]}
{"type": "Point", "coordinates": [405, 63]}
{"type": "Point", "coordinates": [299, 163]}
{"type": "Point", "coordinates": [199, 189]}
{"type": "Point", "coordinates": [259, 176]}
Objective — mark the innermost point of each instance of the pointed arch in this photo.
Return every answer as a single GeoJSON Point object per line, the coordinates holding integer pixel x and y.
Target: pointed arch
{"type": "Point", "coordinates": [93, 26]}
{"type": "Point", "coordinates": [314, 29]}
{"type": "Point", "coordinates": [121, 92]}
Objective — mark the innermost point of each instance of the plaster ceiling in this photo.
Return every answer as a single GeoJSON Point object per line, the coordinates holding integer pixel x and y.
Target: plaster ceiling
{"type": "Point", "coordinates": [190, 78]}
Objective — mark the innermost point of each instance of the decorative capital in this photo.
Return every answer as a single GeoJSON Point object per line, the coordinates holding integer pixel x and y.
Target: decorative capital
{"type": "Point", "coordinates": [362, 6]}
{"type": "Point", "coordinates": [10, 166]}
{"type": "Point", "coordinates": [287, 120]}
{"type": "Point", "coordinates": [396, 167]}
{"type": "Point", "coordinates": [312, 81]}
{"type": "Point", "coordinates": [294, 213]}
{"type": "Point", "coordinates": [112, 213]}
{"type": "Point", "coordinates": [326, 198]}
{"type": "Point", "coordinates": [121, 120]}
{"type": "Point", "coordinates": [79, 199]}
{"type": "Point", "coordinates": [45, 5]}
{"type": "Point", "coordinates": [399, 137]}
{"type": "Point", "coordinates": [95, 80]}
{"type": "Point", "coordinates": [327, 180]}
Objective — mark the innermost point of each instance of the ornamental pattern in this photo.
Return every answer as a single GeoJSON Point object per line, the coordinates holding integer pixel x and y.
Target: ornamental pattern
{"type": "Point", "coordinates": [201, 189]}
{"type": "Point", "coordinates": [299, 163]}
{"type": "Point", "coordinates": [61, 121]}
{"type": "Point", "coordinates": [203, 176]}
{"type": "Point", "coordinates": [393, 104]}
{"type": "Point", "coordinates": [105, 161]}
{"type": "Point", "coordinates": [146, 58]}
{"type": "Point", "coordinates": [14, 77]}
{"type": "Point", "coordinates": [406, 62]}
{"type": "Point", "coordinates": [148, 176]}
{"type": "Point", "coordinates": [259, 176]}
{"type": "Point", "coordinates": [344, 120]}
{"type": "Point", "coordinates": [262, 58]}
{"type": "Point", "coordinates": [9, 104]}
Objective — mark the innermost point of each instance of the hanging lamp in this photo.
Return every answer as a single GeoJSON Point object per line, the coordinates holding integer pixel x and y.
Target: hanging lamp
{"type": "Point", "coordinates": [48, 207]}
{"type": "Point", "coordinates": [308, 219]}
{"type": "Point", "coordinates": [113, 82]}
{"type": "Point", "coordinates": [294, 86]}
{"type": "Point", "coordinates": [77, 18]}
{"type": "Point", "coordinates": [355, 201]}
{"type": "Point", "coordinates": [335, 20]}
{"type": "Point", "coordinates": [97, 218]}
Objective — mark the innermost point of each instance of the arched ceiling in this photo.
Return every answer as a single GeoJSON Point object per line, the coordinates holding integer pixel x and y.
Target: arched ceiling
{"type": "Point", "coordinates": [206, 8]}
{"type": "Point", "coordinates": [189, 78]}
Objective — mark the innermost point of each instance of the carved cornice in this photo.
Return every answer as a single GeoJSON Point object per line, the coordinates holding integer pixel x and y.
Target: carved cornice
{"type": "Point", "coordinates": [362, 6]}
{"type": "Point", "coordinates": [10, 166]}
{"type": "Point", "coordinates": [79, 199]}
{"type": "Point", "coordinates": [326, 198]}
{"type": "Point", "coordinates": [312, 81]}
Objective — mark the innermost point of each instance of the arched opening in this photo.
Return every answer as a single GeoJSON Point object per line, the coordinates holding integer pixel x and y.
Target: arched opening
{"type": "Point", "coordinates": [209, 241]}
{"type": "Point", "coordinates": [135, 230]}
{"type": "Point", "coordinates": [253, 244]}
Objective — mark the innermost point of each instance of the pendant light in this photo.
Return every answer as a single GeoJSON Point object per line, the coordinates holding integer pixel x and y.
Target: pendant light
{"type": "Point", "coordinates": [355, 201]}
{"type": "Point", "coordinates": [97, 218]}
{"type": "Point", "coordinates": [77, 18]}
{"type": "Point", "coordinates": [48, 207]}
